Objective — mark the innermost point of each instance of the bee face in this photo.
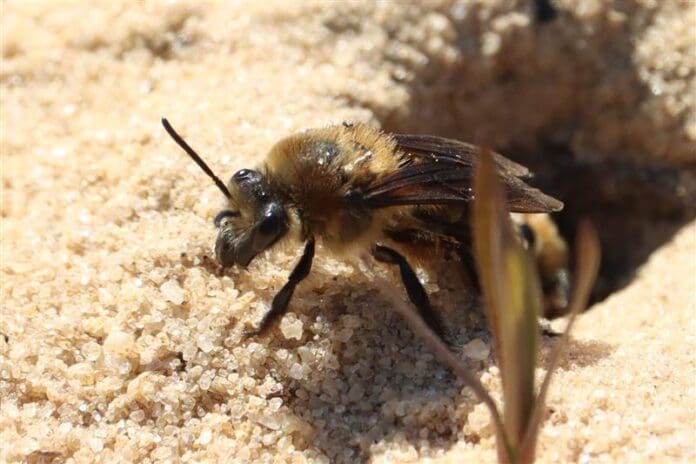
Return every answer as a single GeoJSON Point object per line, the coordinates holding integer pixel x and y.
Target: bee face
{"type": "Point", "coordinates": [254, 222]}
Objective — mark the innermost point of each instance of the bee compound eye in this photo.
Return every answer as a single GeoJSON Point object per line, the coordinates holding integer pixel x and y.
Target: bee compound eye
{"type": "Point", "coordinates": [273, 219]}
{"type": "Point", "coordinates": [269, 223]}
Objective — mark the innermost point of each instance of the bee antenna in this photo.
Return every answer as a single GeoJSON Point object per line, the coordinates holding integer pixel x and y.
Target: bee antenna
{"type": "Point", "coordinates": [194, 156]}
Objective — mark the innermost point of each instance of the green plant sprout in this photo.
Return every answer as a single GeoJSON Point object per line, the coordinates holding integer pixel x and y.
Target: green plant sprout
{"type": "Point", "coordinates": [513, 303]}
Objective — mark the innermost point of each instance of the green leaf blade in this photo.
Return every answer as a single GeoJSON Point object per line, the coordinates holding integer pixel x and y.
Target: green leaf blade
{"type": "Point", "coordinates": [588, 256]}
{"type": "Point", "coordinates": [519, 332]}
{"type": "Point", "coordinates": [513, 300]}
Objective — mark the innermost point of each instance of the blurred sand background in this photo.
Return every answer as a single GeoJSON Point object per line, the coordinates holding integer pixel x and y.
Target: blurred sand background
{"type": "Point", "coordinates": [120, 343]}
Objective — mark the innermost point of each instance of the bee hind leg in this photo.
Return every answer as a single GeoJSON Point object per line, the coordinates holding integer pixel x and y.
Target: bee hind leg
{"type": "Point", "coordinates": [279, 306]}
{"type": "Point", "coordinates": [414, 289]}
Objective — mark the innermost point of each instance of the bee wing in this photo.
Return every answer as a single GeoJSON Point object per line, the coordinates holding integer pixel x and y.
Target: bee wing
{"type": "Point", "coordinates": [439, 171]}
{"type": "Point", "coordinates": [456, 151]}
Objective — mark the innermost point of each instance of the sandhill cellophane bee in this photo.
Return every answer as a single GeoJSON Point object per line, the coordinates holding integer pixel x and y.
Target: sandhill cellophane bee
{"type": "Point", "coordinates": [355, 189]}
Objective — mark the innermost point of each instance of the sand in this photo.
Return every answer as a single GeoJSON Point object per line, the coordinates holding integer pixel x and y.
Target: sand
{"type": "Point", "coordinates": [121, 343]}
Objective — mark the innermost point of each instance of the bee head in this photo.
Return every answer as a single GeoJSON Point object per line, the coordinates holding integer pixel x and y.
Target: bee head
{"type": "Point", "coordinates": [255, 219]}
{"type": "Point", "coordinates": [254, 224]}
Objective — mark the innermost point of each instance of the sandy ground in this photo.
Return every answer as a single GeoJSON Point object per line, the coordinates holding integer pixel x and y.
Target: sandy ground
{"type": "Point", "coordinates": [120, 343]}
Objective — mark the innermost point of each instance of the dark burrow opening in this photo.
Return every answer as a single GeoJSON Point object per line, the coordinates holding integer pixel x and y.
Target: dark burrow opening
{"type": "Point", "coordinates": [635, 208]}
{"type": "Point", "coordinates": [576, 117]}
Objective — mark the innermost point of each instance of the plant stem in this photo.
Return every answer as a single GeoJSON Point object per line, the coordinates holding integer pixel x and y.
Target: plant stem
{"type": "Point", "coordinates": [442, 352]}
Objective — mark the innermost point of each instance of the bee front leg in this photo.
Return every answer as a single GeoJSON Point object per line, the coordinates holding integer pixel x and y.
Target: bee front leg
{"type": "Point", "coordinates": [416, 292]}
{"type": "Point", "coordinates": [280, 302]}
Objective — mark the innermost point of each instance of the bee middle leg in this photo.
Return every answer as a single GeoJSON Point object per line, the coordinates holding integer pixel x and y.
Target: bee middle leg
{"type": "Point", "coordinates": [414, 289]}
{"type": "Point", "coordinates": [279, 306]}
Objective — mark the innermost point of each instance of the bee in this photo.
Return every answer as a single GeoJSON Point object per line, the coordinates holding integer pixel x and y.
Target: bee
{"type": "Point", "coordinates": [354, 188]}
{"type": "Point", "coordinates": [540, 235]}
